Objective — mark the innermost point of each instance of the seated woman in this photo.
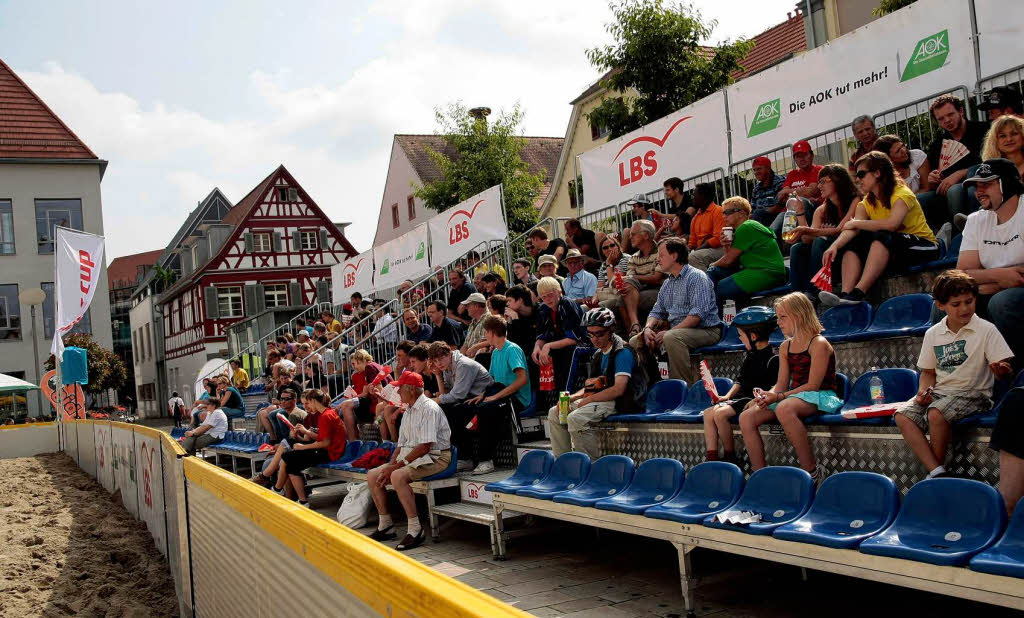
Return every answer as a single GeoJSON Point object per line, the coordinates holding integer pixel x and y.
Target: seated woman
{"type": "Point", "coordinates": [911, 164]}
{"type": "Point", "coordinates": [229, 399]}
{"type": "Point", "coordinates": [613, 259]}
{"type": "Point", "coordinates": [752, 260]}
{"type": "Point", "coordinates": [889, 223]}
{"type": "Point", "coordinates": [805, 256]}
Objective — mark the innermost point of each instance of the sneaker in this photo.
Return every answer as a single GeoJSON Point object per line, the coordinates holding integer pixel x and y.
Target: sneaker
{"type": "Point", "coordinates": [384, 535]}
{"type": "Point", "coordinates": [464, 465]}
{"type": "Point", "coordinates": [960, 221]}
{"type": "Point", "coordinates": [828, 299]}
{"type": "Point", "coordinates": [410, 541]}
{"type": "Point", "coordinates": [818, 475]}
{"type": "Point", "coordinates": [260, 479]}
{"type": "Point", "coordinates": [484, 467]}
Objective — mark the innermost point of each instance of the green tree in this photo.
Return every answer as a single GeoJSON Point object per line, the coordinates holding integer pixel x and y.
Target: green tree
{"type": "Point", "coordinates": [106, 369]}
{"type": "Point", "coordinates": [657, 52]}
{"type": "Point", "coordinates": [888, 6]}
{"type": "Point", "coordinates": [485, 154]}
{"type": "Point", "coordinates": [164, 277]}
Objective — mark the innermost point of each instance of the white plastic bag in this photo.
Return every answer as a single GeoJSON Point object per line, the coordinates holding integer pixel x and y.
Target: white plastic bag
{"type": "Point", "coordinates": [356, 506]}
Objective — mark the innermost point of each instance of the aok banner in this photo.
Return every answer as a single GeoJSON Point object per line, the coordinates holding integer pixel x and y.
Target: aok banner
{"type": "Point", "coordinates": [353, 275]}
{"type": "Point", "coordinates": [464, 226]}
{"type": "Point", "coordinates": [403, 258]}
{"type": "Point", "coordinates": [916, 52]}
{"type": "Point", "coordinates": [999, 35]}
{"type": "Point", "coordinates": [685, 143]}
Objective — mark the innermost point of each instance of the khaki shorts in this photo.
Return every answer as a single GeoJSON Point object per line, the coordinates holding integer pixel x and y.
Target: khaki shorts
{"type": "Point", "coordinates": [441, 463]}
{"type": "Point", "coordinates": [953, 406]}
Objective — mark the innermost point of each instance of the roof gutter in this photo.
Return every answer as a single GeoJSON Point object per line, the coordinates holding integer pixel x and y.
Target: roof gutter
{"type": "Point", "coordinates": [37, 160]}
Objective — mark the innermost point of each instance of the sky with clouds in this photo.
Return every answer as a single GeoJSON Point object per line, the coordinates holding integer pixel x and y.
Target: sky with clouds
{"type": "Point", "coordinates": [186, 96]}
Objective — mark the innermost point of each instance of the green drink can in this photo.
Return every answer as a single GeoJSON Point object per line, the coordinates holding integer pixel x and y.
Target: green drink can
{"type": "Point", "coordinates": [563, 408]}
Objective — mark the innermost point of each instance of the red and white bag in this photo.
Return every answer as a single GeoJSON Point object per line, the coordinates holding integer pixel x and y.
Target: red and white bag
{"type": "Point", "coordinates": [880, 409]}
{"type": "Point", "coordinates": [709, 382]}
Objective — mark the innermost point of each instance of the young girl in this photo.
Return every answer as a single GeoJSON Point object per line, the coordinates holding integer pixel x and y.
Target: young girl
{"type": "Point", "coordinates": [325, 442]}
{"type": "Point", "coordinates": [760, 370]}
{"type": "Point", "coordinates": [806, 384]}
{"type": "Point", "coordinates": [362, 406]}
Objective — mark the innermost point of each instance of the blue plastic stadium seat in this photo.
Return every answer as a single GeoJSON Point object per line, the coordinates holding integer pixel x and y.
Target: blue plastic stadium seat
{"type": "Point", "coordinates": [534, 466]}
{"type": "Point", "coordinates": [947, 256]}
{"type": "Point", "coordinates": [364, 448]}
{"type": "Point", "coordinates": [569, 471]}
{"type": "Point", "coordinates": [897, 384]}
{"type": "Point", "coordinates": [776, 338]}
{"type": "Point", "coordinates": [987, 418]}
{"type": "Point", "coordinates": [780, 494]}
{"type": "Point", "coordinates": [656, 481]}
{"type": "Point", "coordinates": [844, 321]}
{"type": "Point", "coordinates": [943, 521]}
{"type": "Point", "coordinates": [580, 356]}
{"type": "Point", "coordinates": [697, 400]}
{"type": "Point", "coordinates": [664, 396]}
{"type": "Point", "coordinates": [709, 488]}
{"type": "Point", "coordinates": [609, 475]}
{"type": "Point", "coordinates": [729, 342]}
{"type": "Point", "coordinates": [1006, 557]}
{"type": "Point", "coordinates": [779, 291]}
{"type": "Point", "coordinates": [902, 316]}
{"type": "Point", "coordinates": [449, 471]}
{"type": "Point", "coordinates": [350, 454]}
{"type": "Point", "coordinates": [848, 508]}
{"type": "Point", "coordinates": [531, 410]}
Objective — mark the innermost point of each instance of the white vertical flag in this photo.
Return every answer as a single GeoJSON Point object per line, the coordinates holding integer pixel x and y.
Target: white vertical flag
{"type": "Point", "coordinates": [78, 258]}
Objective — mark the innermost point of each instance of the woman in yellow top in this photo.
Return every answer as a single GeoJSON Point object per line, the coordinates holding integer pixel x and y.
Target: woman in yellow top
{"type": "Point", "coordinates": [889, 225]}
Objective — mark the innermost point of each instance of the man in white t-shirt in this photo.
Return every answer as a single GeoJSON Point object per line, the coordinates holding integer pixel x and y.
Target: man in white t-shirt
{"type": "Point", "coordinates": [961, 357]}
{"type": "Point", "coordinates": [993, 248]}
{"type": "Point", "coordinates": [214, 426]}
{"type": "Point", "coordinates": [176, 408]}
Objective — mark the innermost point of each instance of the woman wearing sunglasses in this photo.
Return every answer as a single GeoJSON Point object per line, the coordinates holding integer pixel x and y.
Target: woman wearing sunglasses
{"type": "Point", "coordinates": [613, 259]}
{"type": "Point", "coordinates": [805, 256]}
{"type": "Point", "coordinates": [888, 224]}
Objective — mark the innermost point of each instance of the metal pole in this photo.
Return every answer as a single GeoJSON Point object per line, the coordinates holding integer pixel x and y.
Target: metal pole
{"type": "Point", "coordinates": [35, 356]}
{"type": "Point", "coordinates": [508, 252]}
{"type": "Point", "coordinates": [977, 51]}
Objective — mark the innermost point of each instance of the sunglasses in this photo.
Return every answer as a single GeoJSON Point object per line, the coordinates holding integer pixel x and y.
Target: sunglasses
{"type": "Point", "coordinates": [731, 211]}
{"type": "Point", "coordinates": [609, 246]}
{"type": "Point", "coordinates": [861, 174]}
{"type": "Point", "coordinates": [287, 399]}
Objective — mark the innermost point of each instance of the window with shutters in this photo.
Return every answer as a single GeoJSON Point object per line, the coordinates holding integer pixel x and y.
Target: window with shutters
{"type": "Point", "coordinates": [395, 222]}
{"type": "Point", "coordinates": [275, 295]}
{"type": "Point", "coordinates": [411, 202]}
{"type": "Point", "coordinates": [229, 302]}
{"type": "Point", "coordinates": [261, 242]}
{"type": "Point", "coordinates": [309, 240]}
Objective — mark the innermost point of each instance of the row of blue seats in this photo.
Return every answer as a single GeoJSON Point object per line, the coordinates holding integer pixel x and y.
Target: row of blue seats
{"type": "Point", "coordinates": [243, 441]}
{"type": "Point", "coordinates": [900, 316]}
{"type": "Point", "coordinates": [671, 401]}
{"type": "Point", "coordinates": [943, 521]}
{"type": "Point", "coordinates": [355, 449]}
{"type": "Point", "coordinates": [178, 432]}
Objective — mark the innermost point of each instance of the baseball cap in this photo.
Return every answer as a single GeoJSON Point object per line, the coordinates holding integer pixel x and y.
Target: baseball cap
{"type": "Point", "coordinates": [573, 254]}
{"type": "Point", "coordinates": [1001, 96]}
{"type": "Point", "coordinates": [801, 146]}
{"type": "Point", "coordinates": [475, 297]}
{"type": "Point", "coordinates": [409, 378]}
{"type": "Point", "coordinates": [547, 259]}
{"type": "Point", "coordinates": [1002, 170]}
{"type": "Point", "coordinates": [639, 198]}
{"type": "Point", "coordinates": [766, 160]}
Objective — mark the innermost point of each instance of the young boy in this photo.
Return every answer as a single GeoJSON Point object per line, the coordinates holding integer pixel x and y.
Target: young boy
{"type": "Point", "coordinates": [961, 356]}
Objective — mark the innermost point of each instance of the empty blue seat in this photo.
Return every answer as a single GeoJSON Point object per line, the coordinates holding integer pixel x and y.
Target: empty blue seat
{"type": "Point", "coordinates": [655, 481]}
{"type": "Point", "coordinates": [848, 508]}
{"type": "Point", "coordinates": [709, 488]}
{"type": "Point", "coordinates": [697, 400]}
{"type": "Point", "coordinates": [664, 396]}
{"type": "Point", "coordinates": [609, 475]}
{"type": "Point", "coordinates": [902, 316]}
{"type": "Point", "coordinates": [897, 384]}
{"type": "Point", "coordinates": [942, 521]}
{"type": "Point", "coordinates": [569, 471]}
{"type": "Point", "coordinates": [447, 472]}
{"type": "Point", "coordinates": [534, 466]}
{"type": "Point", "coordinates": [350, 454]}
{"type": "Point", "coordinates": [729, 342]}
{"type": "Point", "coordinates": [844, 321]}
{"type": "Point", "coordinates": [1006, 557]}
{"type": "Point", "coordinates": [779, 494]}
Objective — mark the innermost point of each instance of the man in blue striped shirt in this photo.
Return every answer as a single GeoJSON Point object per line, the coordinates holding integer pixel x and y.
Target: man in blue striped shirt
{"type": "Point", "coordinates": [685, 316]}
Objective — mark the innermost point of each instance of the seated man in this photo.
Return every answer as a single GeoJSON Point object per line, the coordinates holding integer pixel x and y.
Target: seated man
{"type": "Point", "coordinates": [559, 330]}
{"type": "Point", "coordinates": [542, 246]}
{"type": "Point", "coordinates": [288, 396]}
{"type": "Point", "coordinates": [583, 240]}
{"type": "Point", "coordinates": [705, 240]}
{"type": "Point", "coordinates": [960, 358]}
{"type": "Point", "coordinates": [642, 211]}
{"type": "Point", "coordinates": [643, 278]}
{"type": "Point", "coordinates": [614, 385]}
{"type": "Point", "coordinates": [444, 328]}
{"type": "Point", "coordinates": [580, 285]}
{"type": "Point", "coordinates": [211, 431]}
{"type": "Point", "coordinates": [764, 198]}
{"type": "Point", "coordinates": [684, 318]}
{"type": "Point", "coordinates": [946, 195]}
{"type": "Point", "coordinates": [423, 449]}
{"type": "Point", "coordinates": [266, 419]}
{"type": "Point", "coordinates": [547, 266]}
{"type": "Point", "coordinates": [414, 330]}
{"type": "Point", "coordinates": [459, 378]}
{"type": "Point", "coordinates": [521, 271]}
{"type": "Point", "coordinates": [752, 260]}
{"type": "Point", "coordinates": [476, 307]}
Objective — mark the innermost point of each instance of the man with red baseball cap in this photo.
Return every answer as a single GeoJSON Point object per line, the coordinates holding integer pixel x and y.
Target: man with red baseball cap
{"type": "Point", "coordinates": [764, 199]}
{"type": "Point", "coordinates": [423, 449]}
{"type": "Point", "coordinates": [801, 182]}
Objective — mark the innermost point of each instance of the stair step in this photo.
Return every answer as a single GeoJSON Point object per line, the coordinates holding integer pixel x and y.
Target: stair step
{"type": "Point", "coordinates": [472, 512]}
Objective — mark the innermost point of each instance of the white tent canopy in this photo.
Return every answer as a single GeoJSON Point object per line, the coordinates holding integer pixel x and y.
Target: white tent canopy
{"type": "Point", "coordinates": [10, 384]}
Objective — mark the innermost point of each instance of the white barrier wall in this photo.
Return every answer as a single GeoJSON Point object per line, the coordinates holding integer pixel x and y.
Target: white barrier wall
{"type": "Point", "coordinates": [123, 462]}
{"type": "Point", "coordinates": [104, 454]}
{"type": "Point", "coordinates": [150, 482]}
{"type": "Point", "coordinates": [28, 440]}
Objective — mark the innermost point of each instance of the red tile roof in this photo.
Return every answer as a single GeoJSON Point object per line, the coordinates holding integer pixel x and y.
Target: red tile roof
{"type": "Point", "coordinates": [29, 129]}
{"type": "Point", "coordinates": [123, 272]}
{"type": "Point", "coordinates": [774, 45]}
{"type": "Point", "coordinates": [540, 154]}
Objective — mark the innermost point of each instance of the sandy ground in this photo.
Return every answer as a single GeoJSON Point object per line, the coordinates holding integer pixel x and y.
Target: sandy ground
{"type": "Point", "coordinates": [68, 548]}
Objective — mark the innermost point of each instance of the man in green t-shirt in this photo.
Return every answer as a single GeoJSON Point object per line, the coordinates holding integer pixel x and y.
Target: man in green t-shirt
{"type": "Point", "coordinates": [752, 260]}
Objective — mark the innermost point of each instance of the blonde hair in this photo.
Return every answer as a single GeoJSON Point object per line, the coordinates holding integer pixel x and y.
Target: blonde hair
{"type": "Point", "coordinates": [990, 150]}
{"type": "Point", "coordinates": [800, 309]}
{"type": "Point", "coordinates": [362, 356]}
{"type": "Point", "coordinates": [283, 369]}
{"type": "Point", "coordinates": [736, 202]}
{"type": "Point", "coordinates": [547, 284]}
{"type": "Point", "coordinates": [305, 346]}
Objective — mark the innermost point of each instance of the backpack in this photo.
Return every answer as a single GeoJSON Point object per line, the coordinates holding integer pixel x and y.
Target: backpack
{"type": "Point", "coordinates": [179, 410]}
{"type": "Point", "coordinates": [635, 397]}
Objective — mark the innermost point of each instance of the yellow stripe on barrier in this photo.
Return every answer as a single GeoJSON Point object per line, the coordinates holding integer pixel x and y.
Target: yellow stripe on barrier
{"type": "Point", "coordinates": [172, 444]}
{"type": "Point", "coordinates": [26, 425]}
{"type": "Point", "coordinates": [142, 429]}
{"type": "Point", "coordinates": [385, 580]}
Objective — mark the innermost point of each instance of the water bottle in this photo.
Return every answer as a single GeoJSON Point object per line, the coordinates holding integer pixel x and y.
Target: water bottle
{"type": "Point", "coordinates": [875, 388]}
{"type": "Point", "coordinates": [729, 311]}
{"type": "Point", "coordinates": [789, 222]}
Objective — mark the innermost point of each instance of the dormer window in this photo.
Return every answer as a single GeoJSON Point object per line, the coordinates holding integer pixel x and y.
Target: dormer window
{"type": "Point", "coordinates": [287, 194]}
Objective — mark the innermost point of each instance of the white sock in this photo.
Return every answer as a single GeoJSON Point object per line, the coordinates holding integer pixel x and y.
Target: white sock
{"type": "Point", "coordinates": [937, 471]}
{"type": "Point", "coordinates": [384, 523]}
{"type": "Point", "coordinates": [414, 527]}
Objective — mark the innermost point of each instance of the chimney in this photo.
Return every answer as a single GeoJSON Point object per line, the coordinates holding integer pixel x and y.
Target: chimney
{"type": "Point", "coordinates": [480, 113]}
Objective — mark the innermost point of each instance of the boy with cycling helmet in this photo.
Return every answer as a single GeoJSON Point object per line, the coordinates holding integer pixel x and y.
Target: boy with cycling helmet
{"type": "Point", "coordinates": [760, 369]}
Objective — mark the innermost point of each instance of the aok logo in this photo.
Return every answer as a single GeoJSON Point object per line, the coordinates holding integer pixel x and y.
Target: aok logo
{"type": "Point", "coordinates": [385, 267]}
{"type": "Point", "coordinates": [350, 273]}
{"type": "Point", "coordinates": [646, 164]}
{"type": "Point", "coordinates": [459, 231]}
{"type": "Point", "coordinates": [421, 251]}
{"type": "Point", "coordinates": [766, 117]}
{"type": "Point", "coordinates": [929, 54]}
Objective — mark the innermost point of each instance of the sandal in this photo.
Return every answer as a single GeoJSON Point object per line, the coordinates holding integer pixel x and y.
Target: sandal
{"type": "Point", "coordinates": [635, 330]}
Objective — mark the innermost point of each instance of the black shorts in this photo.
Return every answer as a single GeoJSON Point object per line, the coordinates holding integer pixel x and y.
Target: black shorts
{"type": "Point", "coordinates": [904, 249]}
{"type": "Point", "coordinates": [364, 410]}
{"type": "Point", "coordinates": [1008, 434]}
{"type": "Point", "coordinates": [297, 461]}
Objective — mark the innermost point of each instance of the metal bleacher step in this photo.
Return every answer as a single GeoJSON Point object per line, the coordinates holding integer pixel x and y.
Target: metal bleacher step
{"type": "Point", "coordinates": [537, 445]}
{"type": "Point", "coordinates": [472, 512]}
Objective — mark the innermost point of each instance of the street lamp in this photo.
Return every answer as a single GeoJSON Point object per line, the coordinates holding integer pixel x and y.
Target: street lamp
{"type": "Point", "coordinates": [33, 297]}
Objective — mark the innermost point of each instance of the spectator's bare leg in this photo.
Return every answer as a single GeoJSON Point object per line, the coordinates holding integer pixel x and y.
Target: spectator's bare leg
{"type": "Point", "coordinates": [630, 304]}
{"type": "Point", "coordinates": [750, 420]}
{"type": "Point", "coordinates": [348, 416]}
{"type": "Point", "coordinates": [790, 413]}
{"type": "Point", "coordinates": [380, 495]}
{"type": "Point", "coordinates": [941, 434]}
{"type": "Point", "coordinates": [400, 481]}
{"type": "Point", "coordinates": [878, 259]}
{"type": "Point", "coordinates": [282, 477]}
{"type": "Point", "coordinates": [299, 485]}
{"type": "Point", "coordinates": [915, 439]}
{"type": "Point", "coordinates": [275, 461]}
{"type": "Point", "coordinates": [1011, 479]}
{"type": "Point", "coordinates": [852, 269]}
{"type": "Point", "coordinates": [710, 432]}
{"type": "Point", "coordinates": [723, 415]}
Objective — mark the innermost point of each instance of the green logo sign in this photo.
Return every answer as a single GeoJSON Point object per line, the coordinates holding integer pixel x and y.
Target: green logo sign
{"type": "Point", "coordinates": [421, 251]}
{"type": "Point", "coordinates": [766, 118]}
{"type": "Point", "coordinates": [929, 54]}
{"type": "Point", "coordinates": [385, 268]}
